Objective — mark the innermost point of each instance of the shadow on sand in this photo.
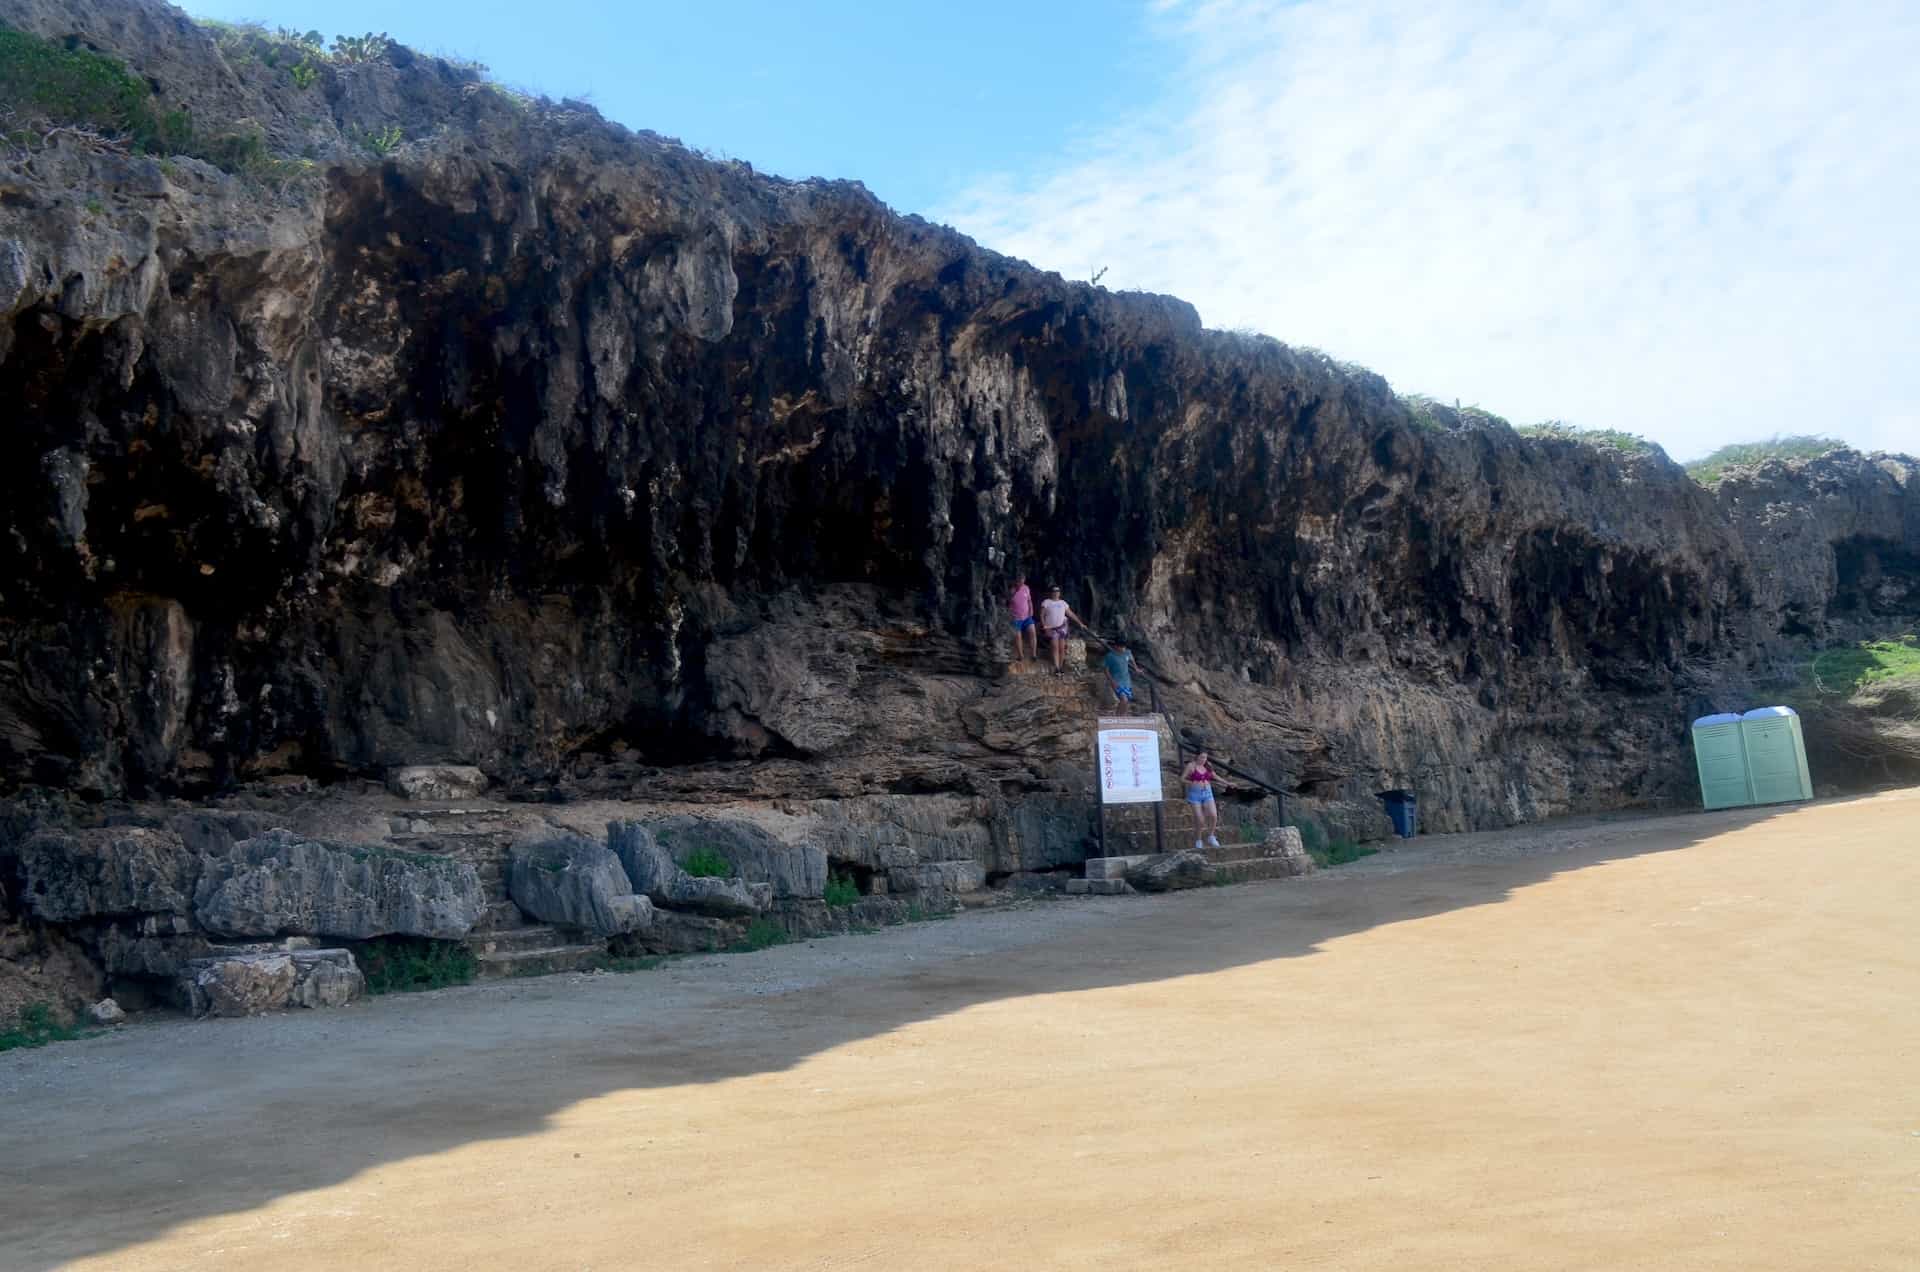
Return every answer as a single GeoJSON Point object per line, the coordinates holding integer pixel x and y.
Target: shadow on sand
{"type": "Point", "coordinates": [115, 1141]}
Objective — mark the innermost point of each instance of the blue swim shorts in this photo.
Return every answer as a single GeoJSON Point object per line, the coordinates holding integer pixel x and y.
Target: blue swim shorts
{"type": "Point", "coordinates": [1123, 691]}
{"type": "Point", "coordinates": [1022, 624]}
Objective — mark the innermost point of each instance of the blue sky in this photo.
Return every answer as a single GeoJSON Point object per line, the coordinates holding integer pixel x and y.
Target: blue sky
{"type": "Point", "coordinates": [1699, 222]}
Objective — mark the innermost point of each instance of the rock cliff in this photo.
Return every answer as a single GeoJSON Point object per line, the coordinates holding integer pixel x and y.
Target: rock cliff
{"type": "Point", "coordinates": [473, 430]}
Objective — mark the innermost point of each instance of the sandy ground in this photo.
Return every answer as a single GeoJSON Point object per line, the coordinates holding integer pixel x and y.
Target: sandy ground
{"type": "Point", "coordinates": [1690, 1042]}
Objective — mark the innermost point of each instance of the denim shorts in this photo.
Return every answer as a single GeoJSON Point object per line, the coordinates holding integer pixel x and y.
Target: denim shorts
{"type": "Point", "coordinates": [1202, 796]}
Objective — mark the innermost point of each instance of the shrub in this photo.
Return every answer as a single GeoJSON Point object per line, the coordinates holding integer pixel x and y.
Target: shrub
{"type": "Point", "coordinates": [40, 79]}
{"type": "Point", "coordinates": [1342, 851]}
{"type": "Point", "coordinates": [303, 73]}
{"type": "Point", "coordinates": [761, 934]}
{"type": "Point", "coordinates": [706, 863]}
{"type": "Point", "coordinates": [1710, 470]}
{"type": "Point", "coordinates": [370, 47]}
{"type": "Point", "coordinates": [382, 141]}
{"type": "Point", "coordinates": [36, 1027]}
{"type": "Point", "coordinates": [1603, 438]}
{"type": "Point", "coordinates": [842, 890]}
{"type": "Point", "coordinates": [397, 964]}
{"type": "Point", "coordinates": [44, 82]}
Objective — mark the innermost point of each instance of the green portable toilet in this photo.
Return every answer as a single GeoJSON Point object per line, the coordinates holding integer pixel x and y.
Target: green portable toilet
{"type": "Point", "coordinates": [1776, 755]}
{"type": "Point", "coordinates": [1721, 755]}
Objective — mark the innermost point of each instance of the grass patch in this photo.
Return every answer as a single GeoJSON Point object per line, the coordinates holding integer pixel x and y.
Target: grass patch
{"type": "Point", "coordinates": [705, 863]}
{"type": "Point", "coordinates": [1341, 852]}
{"type": "Point", "coordinates": [841, 890]}
{"type": "Point", "coordinates": [36, 1027]}
{"type": "Point", "coordinates": [761, 934]}
{"type": "Point", "coordinates": [1602, 438]}
{"type": "Point", "coordinates": [1711, 469]}
{"type": "Point", "coordinates": [1841, 671]}
{"type": "Point", "coordinates": [400, 964]}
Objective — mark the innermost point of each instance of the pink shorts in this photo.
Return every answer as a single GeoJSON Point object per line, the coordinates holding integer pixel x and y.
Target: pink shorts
{"type": "Point", "coordinates": [1056, 633]}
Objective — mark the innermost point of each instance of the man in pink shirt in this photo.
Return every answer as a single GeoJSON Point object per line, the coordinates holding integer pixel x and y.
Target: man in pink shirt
{"type": "Point", "coordinates": [1026, 639]}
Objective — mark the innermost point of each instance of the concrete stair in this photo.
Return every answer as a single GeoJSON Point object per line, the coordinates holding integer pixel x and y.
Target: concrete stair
{"type": "Point", "coordinates": [1236, 860]}
{"type": "Point", "coordinates": [533, 951]}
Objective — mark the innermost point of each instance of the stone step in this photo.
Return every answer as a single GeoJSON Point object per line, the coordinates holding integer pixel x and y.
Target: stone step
{"type": "Point", "coordinates": [541, 961]}
{"type": "Point", "coordinates": [501, 916]}
{"type": "Point", "coordinates": [1248, 871]}
{"type": "Point", "coordinates": [515, 940]}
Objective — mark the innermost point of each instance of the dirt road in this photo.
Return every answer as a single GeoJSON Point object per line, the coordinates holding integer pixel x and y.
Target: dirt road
{"type": "Point", "coordinates": [1690, 1042]}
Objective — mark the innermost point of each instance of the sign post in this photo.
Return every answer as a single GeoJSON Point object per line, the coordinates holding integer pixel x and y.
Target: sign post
{"type": "Point", "coordinates": [1127, 758]}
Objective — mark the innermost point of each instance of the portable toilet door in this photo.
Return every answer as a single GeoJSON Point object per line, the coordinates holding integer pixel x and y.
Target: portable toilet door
{"type": "Point", "coordinates": [1776, 755]}
{"type": "Point", "coordinates": [1721, 755]}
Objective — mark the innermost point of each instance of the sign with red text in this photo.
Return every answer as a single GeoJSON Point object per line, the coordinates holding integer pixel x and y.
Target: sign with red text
{"type": "Point", "coordinates": [1129, 760]}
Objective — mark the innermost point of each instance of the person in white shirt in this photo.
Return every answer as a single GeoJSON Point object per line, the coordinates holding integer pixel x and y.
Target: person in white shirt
{"type": "Point", "coordinates": [1055, 614]}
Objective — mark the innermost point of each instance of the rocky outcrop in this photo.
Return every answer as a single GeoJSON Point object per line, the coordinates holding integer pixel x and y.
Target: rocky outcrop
{"type": "Point", "coordinates": [437, 781]}
{"type": "Point", "coordinates": [643, 851]}
{"type": "Point", "coordinates": [556, 452]}
{"type": "Point", "coordinates": [69, 875]}
{"type": "Point", "coordinates": [576, 883]}
{"type": "Point", "coordinates": [281, 884]}
{"type": "Point", "coordinates": [752, 853]}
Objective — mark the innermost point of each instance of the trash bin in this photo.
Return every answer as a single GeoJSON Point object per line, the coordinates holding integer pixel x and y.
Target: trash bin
{"type": "Point", "coordinates": [1404, 811]}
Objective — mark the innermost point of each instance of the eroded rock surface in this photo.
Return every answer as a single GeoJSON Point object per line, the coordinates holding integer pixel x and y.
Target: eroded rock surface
{"type": "Point", "coordinates": [556, 450]}
{"type": "Point", "coordinates": [280, 884]}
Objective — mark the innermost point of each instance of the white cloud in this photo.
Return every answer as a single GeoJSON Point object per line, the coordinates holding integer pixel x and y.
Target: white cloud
{"type": "Point", "coordinates": [1700, 222]}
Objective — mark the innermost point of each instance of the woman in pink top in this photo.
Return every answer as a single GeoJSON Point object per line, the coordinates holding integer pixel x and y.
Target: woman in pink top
{"type": "Point", "coordinates": [1199, 779]}
{"type": "Point", "coordinates": [1026, 640]}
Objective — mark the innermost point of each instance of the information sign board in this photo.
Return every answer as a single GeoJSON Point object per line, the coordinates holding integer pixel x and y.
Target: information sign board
{"type": "Point", "coordinates": [1129, 764]}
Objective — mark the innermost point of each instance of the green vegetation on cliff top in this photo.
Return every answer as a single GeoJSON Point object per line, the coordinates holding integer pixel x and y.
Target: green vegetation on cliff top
{"type": "Point", "coordinates": [46, 85]}
{"type": "Point", "coordinates": [1842, 671]}
{"type": "Point", "coordinates": [1713, 467]}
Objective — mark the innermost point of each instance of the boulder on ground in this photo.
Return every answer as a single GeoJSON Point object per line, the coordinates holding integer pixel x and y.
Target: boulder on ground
{"type": "Point", "coordinates": [106, 1012]}
{"type": "Point", "coordinates": [326, 978]}
{"type": "Point", "coordinates": [238, 985]}
{"type": "Point", "coordinates": [251, 983]}
{"type": "Point", "coordinates": [571, 881]}
{"type": "Point", "coordinates": [437, 781]}
{"type": "Point", "coordinates": [115, 870]}
{"type": "Point", "coordinates": [278, 884]}
{"type": "Point", "coordinates": [1170, 871]}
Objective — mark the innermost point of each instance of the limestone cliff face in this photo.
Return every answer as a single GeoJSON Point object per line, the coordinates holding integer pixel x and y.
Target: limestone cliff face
{"type": "Point", "coordinates": [560, 450]}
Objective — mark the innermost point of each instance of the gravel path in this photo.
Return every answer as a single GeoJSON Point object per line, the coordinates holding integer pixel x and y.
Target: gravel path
{"type": "Point", "coordinates": [508, 1124]}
